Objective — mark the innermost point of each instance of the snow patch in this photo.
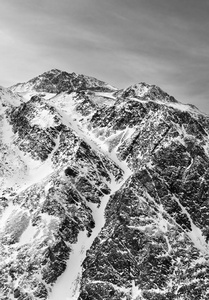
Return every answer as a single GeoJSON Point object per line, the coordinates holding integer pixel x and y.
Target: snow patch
{"type": "Point", "coordinates": [28, 235]}
{"type": "Point", "coordinates": [136, 292]}
{"type": "Point", "coordinates": [44, 119]}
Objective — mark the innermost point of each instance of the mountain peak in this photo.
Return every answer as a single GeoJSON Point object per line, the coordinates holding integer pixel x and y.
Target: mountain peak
{"type": "Point", "coordinates": [54, 71]}
{"type": "Point", "coordinates": [56, 81]}
{"type": "Point", "coordinates": [147, 91]}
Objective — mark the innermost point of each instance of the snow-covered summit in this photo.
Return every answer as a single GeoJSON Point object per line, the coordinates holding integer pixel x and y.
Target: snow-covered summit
{"type": "Point", "coordinates": [56, 81]}
{"type": "Point", "coordinates": [147, 91]}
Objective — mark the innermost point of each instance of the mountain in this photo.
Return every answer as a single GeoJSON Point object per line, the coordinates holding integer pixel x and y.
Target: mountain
{"type": "Point", "coordinates": [56, 81]}
{"type": "Point", "coordinates": [104, 192]}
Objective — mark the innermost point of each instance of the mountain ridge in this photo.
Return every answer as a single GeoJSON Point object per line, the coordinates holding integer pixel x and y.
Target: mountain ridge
{"type": "Point", "coordinates": [58, 81]}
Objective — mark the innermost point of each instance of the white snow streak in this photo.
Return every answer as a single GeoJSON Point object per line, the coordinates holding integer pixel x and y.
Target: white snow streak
{"type": "Point", "coordinates": [195, 234]}
{"type": "Point", "coordinates": [71, 277]}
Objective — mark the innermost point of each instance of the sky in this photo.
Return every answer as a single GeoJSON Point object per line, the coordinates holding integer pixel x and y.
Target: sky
{"type": "Point", "coordinates": [123, 42]}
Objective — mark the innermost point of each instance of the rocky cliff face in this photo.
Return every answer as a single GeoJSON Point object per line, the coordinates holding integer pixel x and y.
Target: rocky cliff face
{"type": "Point", "coordinates": [104, 192]}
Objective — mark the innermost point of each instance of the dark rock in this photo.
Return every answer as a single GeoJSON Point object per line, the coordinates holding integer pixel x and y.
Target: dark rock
{"type": "Point", "coordinates": [17, 293]}
{"type": "Point", "coordinates": [71, 172]}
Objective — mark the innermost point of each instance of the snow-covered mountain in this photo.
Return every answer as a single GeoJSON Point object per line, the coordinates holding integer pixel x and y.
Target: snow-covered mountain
{"type": "Point", "coordinates": [56, 81]}
{"type": "Point", "coordinates": [104, 192]}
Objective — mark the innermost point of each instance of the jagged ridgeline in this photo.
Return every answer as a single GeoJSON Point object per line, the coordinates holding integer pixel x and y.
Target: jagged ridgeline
{"type": "Point", "coordinates": [104, 192]}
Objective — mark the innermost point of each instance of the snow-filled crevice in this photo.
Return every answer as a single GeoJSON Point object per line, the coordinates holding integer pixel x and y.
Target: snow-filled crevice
{"type": "Point", "coordinates": [67, 286]}
{"type": "Point", "coordinates": [195, 234]}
